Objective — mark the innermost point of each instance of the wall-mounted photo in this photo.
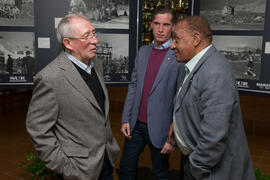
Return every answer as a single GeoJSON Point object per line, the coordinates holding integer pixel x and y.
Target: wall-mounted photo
{"type": "Point", "coordinates": [243, 53]}
{"type": "Point", "coordinates": [113, 50]}
{"type": "Point", "coordinates": [234, 14]}
{"type": "Point", "coordinates": [16, 12]}
{"type": "Point", "coordinates": [17, 53]}
{"type": "Point", "coordinates": [107, 14]}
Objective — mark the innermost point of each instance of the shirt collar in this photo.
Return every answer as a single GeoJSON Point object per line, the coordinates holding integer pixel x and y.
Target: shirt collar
{"type": "Point", "coordinates": [192, 63]}
{"type": "Point", "coordinates": [165, 45]}
{"type": "Point", "coordinates": [83, 66]}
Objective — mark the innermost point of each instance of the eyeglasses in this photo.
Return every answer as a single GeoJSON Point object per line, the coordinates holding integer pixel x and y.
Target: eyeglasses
{"type": "Point", "coordinates": [88, 37]}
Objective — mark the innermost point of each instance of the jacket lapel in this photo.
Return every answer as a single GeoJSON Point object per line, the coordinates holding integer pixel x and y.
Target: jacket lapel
{"type": "Point", "coordinates": [163, 67]}
{"type": "Point", "coordinates": [188, 81]}
{"type": "Point", "coordinates": [142, 69]}
{"type": "Point", "coordinates": [75, 79]}
{"type": "Point", "coordinates": [101, 81]}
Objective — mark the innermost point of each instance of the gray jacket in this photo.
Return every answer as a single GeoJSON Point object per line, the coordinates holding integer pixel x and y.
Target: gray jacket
{"type": "Point", "coordinates": [208, 115]}
{"type": "Point", "coordinates": [160, 100]}
{"type": "Point", "coordinates": [69, 130]}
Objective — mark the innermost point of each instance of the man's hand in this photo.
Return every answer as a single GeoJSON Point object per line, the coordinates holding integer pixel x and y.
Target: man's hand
{"type": "Point", "coordinates": [167, 148]}
{"type": "Point", "coordinates": [171, 139]}
{"type": "Point", "coordinates": [125, 129]}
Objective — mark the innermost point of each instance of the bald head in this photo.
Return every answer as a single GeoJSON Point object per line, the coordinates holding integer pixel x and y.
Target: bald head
{"type": "Point", "coordinates": [200, 25]}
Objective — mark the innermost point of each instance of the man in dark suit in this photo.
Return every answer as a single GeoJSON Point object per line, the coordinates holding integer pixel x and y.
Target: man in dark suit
{"type": "Point", "coordinates": [68, 116]}
{"type": "Point", "coordinates": [9, 64]}
{"type": "Point", "coordinates": [28, 64]}
{"type": "Point", "coordinates": [149, 103]}
{"type": "Point", "coordinates": [207, 124]}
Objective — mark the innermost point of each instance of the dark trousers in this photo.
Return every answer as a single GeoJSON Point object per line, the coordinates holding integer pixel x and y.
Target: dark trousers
{"type": "Point", "coordinates": [132, 150]}
{"type": "Point", "coordinates": [107, 170]}
{"type": "Point", "coordinates": [185, 173]}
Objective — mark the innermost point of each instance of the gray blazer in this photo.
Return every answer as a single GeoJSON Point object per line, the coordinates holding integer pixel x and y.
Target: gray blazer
{"type": "Point", "coordinates": [208, 115]}
{"type": "Point", "coordinates": [69, 130]}
{"type": "Point", "coordinates": [160, 100]}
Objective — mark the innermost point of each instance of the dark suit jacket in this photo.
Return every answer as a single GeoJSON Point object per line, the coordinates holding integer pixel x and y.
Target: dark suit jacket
{"type": "Point", "coordinates": [208, 115]}
{"type": "Point", "coordinates": [69, 130]}
{"type": "Point", "coordinates": [160, 100]}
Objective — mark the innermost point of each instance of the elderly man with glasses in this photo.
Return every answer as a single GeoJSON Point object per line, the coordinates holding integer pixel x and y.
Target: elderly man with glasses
{"type": "Point", "coordinates": [68, 117]}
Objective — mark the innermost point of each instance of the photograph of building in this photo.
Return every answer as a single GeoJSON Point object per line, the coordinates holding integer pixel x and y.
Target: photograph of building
{"type": "Point", "coordinates": [113, 53]}
{"type": "Point", "coordinates": [17, 53]}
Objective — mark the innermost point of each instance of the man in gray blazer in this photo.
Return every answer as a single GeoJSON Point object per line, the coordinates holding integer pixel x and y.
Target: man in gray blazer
{"type": "Point", "coordinates": [149, 103]}
{"type": "Point", "coordinates": [68, 117]}
{"type": "Point", "coordinates": [207, 124]}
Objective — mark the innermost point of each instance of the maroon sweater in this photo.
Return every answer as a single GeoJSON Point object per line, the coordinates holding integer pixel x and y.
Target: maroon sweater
{"type": "Point", "coordinates": [154, 62]}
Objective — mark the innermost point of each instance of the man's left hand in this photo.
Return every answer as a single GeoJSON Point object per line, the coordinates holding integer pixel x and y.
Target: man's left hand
{"type": "Point", "coordinates": [167, 148]}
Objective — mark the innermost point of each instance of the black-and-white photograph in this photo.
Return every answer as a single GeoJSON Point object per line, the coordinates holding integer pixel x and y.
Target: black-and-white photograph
{"type": "Point", "coordinates": [243, 53]}
{"type": "Point", "coordinates": [107, 14]}
{"type": "Point", "coordinates": [16, 12]}
{"type": "Point", "coordinates": [112, 49]}
{"type": "Point", "coordinates": [17, 53]}
{"type": "Point", "coordinates": [234, 14]}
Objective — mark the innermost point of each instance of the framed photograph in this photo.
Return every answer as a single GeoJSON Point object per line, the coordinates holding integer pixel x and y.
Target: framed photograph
{"type": "Point", "coordinates": [113, 14]}
{"type": "Point", "coordinates": [113, 50]}
{"type": "Point", "coordinates": [17, 57]}
{"type": "Point", "coordinates": [16, 12]}
{"type": "Point", "coordinates": [234, 14]}
{"type": "Point", "coordinates": [243, 53]}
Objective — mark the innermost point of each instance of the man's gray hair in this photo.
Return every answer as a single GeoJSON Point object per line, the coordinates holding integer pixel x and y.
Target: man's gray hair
{"type": "Point", "coordinates": [64, 29]}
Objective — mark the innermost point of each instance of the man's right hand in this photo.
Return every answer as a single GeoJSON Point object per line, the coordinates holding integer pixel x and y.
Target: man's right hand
{"type": "Point", "coordinates": [125, 129]}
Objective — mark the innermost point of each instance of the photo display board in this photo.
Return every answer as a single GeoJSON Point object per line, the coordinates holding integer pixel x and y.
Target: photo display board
{"type": "Point", "coordinates": [241, 31]}
{"type": "Point", "coordinates": [28, 38]}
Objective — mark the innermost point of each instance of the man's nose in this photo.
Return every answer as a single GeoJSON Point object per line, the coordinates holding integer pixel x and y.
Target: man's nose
{"type": "Point", "coordinates": [94, 40]}
{"type": "Point", "coordinates": [160, 28]}
{"type": "Point", "coordinates": [172, 46]}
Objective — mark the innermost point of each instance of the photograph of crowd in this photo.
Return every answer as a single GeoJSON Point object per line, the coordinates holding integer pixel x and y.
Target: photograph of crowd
{"type": "Point", "coordinates": [17, 53]}
{"type": "Point", "coordinates": [243, 53]}
{"type": "Point", "coordinates": [112, 49]}
{"type": "Point", "coordinates": [16, 12]}
{"type": "Point", "coordinates": [234, 14]}
{"type": "Point", "coordinates": [112, 14]}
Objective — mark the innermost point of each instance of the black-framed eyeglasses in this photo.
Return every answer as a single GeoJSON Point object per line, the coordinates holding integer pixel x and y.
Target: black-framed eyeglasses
{"type": "Point", "coordinates": [91, 36]}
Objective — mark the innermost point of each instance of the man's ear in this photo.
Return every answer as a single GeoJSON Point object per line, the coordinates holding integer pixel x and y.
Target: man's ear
{"type": "Point", "coordinates": [196, 39]}
{"type": "Point", "coordinates": [67, 43]}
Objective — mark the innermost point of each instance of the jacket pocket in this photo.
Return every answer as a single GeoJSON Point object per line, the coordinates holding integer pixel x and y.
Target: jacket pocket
{"type": "Point", "coordinates": [74, 153]}
{"type": "Point", "coordinates": [75, 150]}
